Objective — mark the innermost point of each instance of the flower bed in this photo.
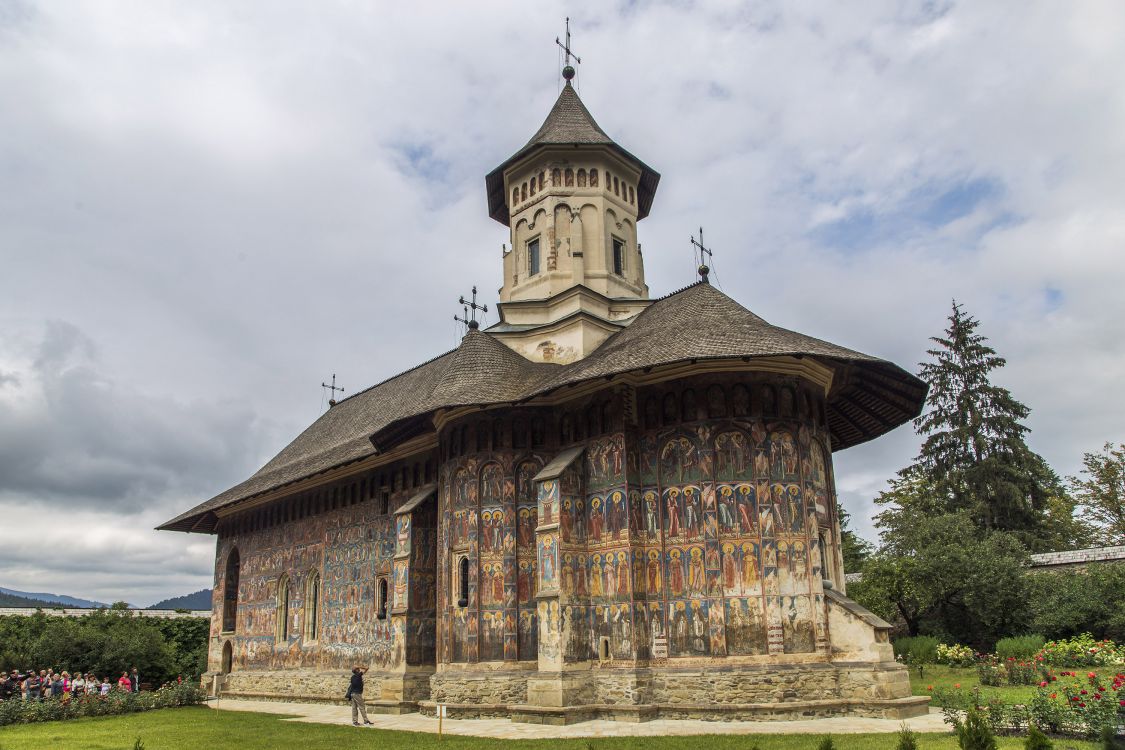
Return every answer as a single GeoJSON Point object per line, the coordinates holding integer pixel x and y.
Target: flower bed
{"type": "Point", "coordinates": [56, 709]}
{"type": "Point", "coordinates": [1081, 651]}
{"type": "Point", "coordinates": [1069, 703]}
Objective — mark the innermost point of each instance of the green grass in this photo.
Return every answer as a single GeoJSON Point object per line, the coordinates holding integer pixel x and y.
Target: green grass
{"type": "Point", "coordinates": [176, 728]}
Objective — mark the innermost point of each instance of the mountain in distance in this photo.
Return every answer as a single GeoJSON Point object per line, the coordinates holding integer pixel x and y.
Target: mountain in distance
{"type": "Point", "coordinates": [199, 600]}
{"type": "Point", "coordinates": [39, 599]}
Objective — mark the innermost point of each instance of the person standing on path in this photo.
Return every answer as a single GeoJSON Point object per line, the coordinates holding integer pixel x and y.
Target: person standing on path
{"type": "Point", "coordinates": [135, 680]}
{"type": "Point", "coordinates": [355, 695]}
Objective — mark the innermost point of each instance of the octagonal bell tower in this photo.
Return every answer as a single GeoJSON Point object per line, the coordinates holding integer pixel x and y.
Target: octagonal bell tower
{"type": "Point", "coordinates": [574, 270]}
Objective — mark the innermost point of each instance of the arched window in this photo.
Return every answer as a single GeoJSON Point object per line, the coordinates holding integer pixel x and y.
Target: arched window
{"type": "Point", "coordinates": [581, 178]}
{"type": "Point", "coordinates": [382, 594]}
{"type": "Point", "coordinates": [593, 178]}
{"type": "Point", "coordinates": [228, 657]}
{"type": "Point", "coordinates": [616, 187]}
{"type": "Point", "coordinates": [632, 196]}
{"type": "Point", "coordinates": [463, 582]}
{"type": "Point", "coordinates": [556, 177]}
{"type": "Point", "coordinates": [523, 191]}
{"type": "Point", "coordinates": [312, 607]}
{"type": "Point", "coordinates": [281, 630]}
{"type": "Point", "coordinates": [515, 195]}
{"type": "Point", "coordinates": [230, 592]}
{"type": "Point", "coordinates": [569, 177]}
{"type": "Point", "coordinates": [541, 180]}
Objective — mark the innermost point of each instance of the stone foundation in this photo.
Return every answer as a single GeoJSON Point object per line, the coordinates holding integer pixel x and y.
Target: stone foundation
{"type": "Point", "coordinates": [391, 693]}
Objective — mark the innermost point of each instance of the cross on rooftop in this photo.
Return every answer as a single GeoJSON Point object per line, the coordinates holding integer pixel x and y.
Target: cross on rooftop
{"type": "Point", "coordinates": [471, 322]}
{"type": "Point", "coordinates": [703, 267]}
{"type": "Point", "coordinates": [568, 71]}
{"type": "Point", "coordinates": [332, 390]}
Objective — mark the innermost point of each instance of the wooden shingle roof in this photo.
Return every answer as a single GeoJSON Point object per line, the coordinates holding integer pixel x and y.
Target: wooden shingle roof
{"type": "Point", "coordinates": [869, 396]}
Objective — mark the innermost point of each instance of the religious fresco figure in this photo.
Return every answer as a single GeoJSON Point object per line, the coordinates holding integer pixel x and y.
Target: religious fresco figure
{"type": "Point", "coordinates": [699, 632]}
{"type": "Point", "coordinates": [653, 576]}
{"type": "Point", "coordinates": [651, 514]}
{"type": "Point", "coordinates": [579, 525]}
{"type": "Point", "coordinates": [596, 584]}
{"type": "Point", "coordinates": [679, 627]}
{"type": "Point", "coordinates": [622, 574]}
{"type": "Point", "coordinates": [749, 574]}
{"type": "Point", "coordinates": [726, 504]}
{"type": "Point", "coordinates": [692, 518]}
{"type": "Point", "coordinates": [596, 518]}
{"type": "Point", "coordinates": [729, 570]}
{"type": "Point", "coordinates": [581, 577]}
{"type": "Point", "coordinates": [766, 517]}
{"type": "Point", "coordinates": [696, 578]}
{"type": "Point", "coordinates": [672, 511]}
{"type": "Point", "coordinates": [609, 577]}
{"type": "Point", "coordinates": [675, 572]}
{"type": "Point", "coordinates": [796, 509]}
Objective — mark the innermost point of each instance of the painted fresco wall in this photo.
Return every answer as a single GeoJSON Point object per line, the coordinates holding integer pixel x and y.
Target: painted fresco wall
{"type": "Point", "coordinates": [488, 516]}
{"type": "Point", "coordinates": [345, 537]}
{"type": "Point", "coordinates": [702, 530]}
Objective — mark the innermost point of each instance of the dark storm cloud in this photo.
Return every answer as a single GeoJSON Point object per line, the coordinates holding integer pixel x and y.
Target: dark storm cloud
{"type": "Point", "coordinates": [76, 438]}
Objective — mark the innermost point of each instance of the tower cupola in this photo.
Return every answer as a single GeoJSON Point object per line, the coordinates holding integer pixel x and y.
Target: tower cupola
{"type": "Point", "coordinates": [571, 198]}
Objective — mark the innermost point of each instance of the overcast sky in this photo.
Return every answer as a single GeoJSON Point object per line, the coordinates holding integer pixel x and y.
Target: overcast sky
{"type": "Point", "coordinates": [207, 208]}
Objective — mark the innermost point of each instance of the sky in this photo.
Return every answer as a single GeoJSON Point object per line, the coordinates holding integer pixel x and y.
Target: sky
{"type": "Point", "coordinates": [208, 208]}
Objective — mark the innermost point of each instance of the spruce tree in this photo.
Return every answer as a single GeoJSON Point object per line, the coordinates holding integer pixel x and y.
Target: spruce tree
{"type": "Point", "coordinates": [974, 455]}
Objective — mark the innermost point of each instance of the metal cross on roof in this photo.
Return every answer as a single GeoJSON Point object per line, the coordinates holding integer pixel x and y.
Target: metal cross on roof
{"type": "Point", "coordinates": [568, 71]}
{"type": "Point", "coordinates": [703, 268]}
{"type": "Point", "coordinates": [332, 390]}
{"type": "Point", "coordinates": [471, 322]}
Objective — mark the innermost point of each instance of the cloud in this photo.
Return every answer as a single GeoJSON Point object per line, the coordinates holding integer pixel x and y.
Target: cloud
{"type": "Point", "coordinates": [228, 204]}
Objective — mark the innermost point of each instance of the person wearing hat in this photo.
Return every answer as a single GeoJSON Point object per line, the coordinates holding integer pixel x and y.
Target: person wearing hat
{"type": "Point", "coordinates": [355, 695]}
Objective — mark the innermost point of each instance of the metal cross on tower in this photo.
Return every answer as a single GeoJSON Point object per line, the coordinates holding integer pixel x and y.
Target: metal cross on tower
{"type": "Point", "coordinates": [568, 71]}
{"type": "Point", "coordinates": [703, 268]}
{"type": "Point", "coordinates": [471, 322]}
{"type": "Point", "coordinates": [332, 390]}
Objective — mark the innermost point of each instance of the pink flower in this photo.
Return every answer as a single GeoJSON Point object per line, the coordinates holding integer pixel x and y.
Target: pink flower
{"type": "Point", "coordinates": [957, 685]}
{"type": "Point", "coordinates": [1043, 684]}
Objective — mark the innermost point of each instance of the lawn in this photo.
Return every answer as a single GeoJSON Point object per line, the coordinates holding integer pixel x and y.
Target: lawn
{"type": "Point", "coordinates": [199, 727]}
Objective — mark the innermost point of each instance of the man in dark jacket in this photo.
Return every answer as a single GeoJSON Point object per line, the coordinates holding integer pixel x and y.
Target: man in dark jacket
{"type": "Point", "coordinates": [355, 695]}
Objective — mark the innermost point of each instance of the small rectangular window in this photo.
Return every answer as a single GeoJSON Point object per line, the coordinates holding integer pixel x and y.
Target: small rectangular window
{"type": "Point", "coordinates": [618, 256]}
{"type": "Point", "coordinates": [533, 257]}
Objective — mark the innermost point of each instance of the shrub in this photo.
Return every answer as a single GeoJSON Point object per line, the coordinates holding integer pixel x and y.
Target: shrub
{"type": "Point", "coordinates": [826, 743]}
{"type": "Point", "coordinates": [1082, 704]}
{"type": "Point", "coordinates": [55, 709]}
{"type": "Point", "coordinates": [956, 655]}
{"type": "Point", "coordinates": [918, 650]}
{"type": "Point", "coordinates": [1020, 648]}
{"type": "Point", "coordinates": [973, 732]}
{"type": "Point", "coordinates": [1081, 651]}
{"type": "Point", "coordinates": [907, 740]}
{"type": "Point", "coordinates": [991, 672]}
{"type": "Point", "coordinates": [1036, 740]}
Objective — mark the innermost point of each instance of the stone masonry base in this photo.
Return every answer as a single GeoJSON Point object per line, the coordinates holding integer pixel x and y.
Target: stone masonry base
{"type": "Point", "coordinates": [746, 692]}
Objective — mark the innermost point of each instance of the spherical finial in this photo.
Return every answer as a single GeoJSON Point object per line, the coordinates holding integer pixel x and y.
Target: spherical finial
{"type": "Point", "coordinates": [568, 72]}
{"type": "Point", "coordinates": [473, 325]}
{"type": "Point", "coordinates": [703, 271]}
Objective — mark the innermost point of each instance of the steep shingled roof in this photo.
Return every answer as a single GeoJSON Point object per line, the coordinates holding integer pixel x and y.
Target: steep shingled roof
{"type": "Point", "coordinates": [869, 396]}
{"type": "Point", "coordinates": [568, 123]}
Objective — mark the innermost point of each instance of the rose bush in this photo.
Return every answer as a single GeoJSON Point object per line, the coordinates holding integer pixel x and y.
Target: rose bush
{"type": "Point", "coordinates": [1081, 651]}
{"type": "Point", "coordinates": [956, 655]}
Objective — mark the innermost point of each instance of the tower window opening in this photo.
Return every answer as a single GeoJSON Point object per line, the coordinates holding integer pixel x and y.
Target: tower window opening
{"type": "Point", "coordinates": [463, 583]}
{"type": "Point", "coordinates": [618, 256]}
{"type": "Point", "coordinates": [593, 178]}
{"type": "Point", "coordinates": [385, 503]}
{"type": "Point", "coordinates": [533, 257]}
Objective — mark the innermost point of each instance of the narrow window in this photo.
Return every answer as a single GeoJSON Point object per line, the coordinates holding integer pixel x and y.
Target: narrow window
{"type": "Point", "coordinates": [581, 178]}
{"type": "Point", "coordinates": [515, 195]}
{"type": "Point", "coordinates": [382, 615]}
{"type": "Point", "coordinates": [283, 608]}
{"type": "Point", "coordinates": [618, 256]}
{"type": "Point", "coordinates": [533, 257]}
{"type": "Point", "coordinates": [385, 503]}
{"type": "Point", "coordinates": [556, 178]}
{"type": "Point", "coordinates": [593, 178]}
{"type": "Point", "coordinates": [312, 607]}
{"type": "Point", "coordinates": [230, 592]}
{"type": "Point", "coordinates": [463, 583]}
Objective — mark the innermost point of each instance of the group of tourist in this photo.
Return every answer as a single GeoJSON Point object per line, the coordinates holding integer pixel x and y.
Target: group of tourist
{"type": "Point", "coordinates": [34, 686]}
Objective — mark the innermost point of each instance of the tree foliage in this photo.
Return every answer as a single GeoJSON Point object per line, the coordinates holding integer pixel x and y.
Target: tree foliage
{"type": "Point", "coordinates": [974, 456]}
{"type": "Point", "coordinates": [105, 642]}
{"type": "Point", "coordinates": [1100, 492]}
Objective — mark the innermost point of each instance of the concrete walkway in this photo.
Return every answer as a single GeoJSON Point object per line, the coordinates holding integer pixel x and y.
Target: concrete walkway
{"type": "Point", "coordinates": [320, 713]}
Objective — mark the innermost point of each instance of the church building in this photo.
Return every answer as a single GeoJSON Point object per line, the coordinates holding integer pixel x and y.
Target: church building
{"type": "Point", "coordinates": [603, 506]}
